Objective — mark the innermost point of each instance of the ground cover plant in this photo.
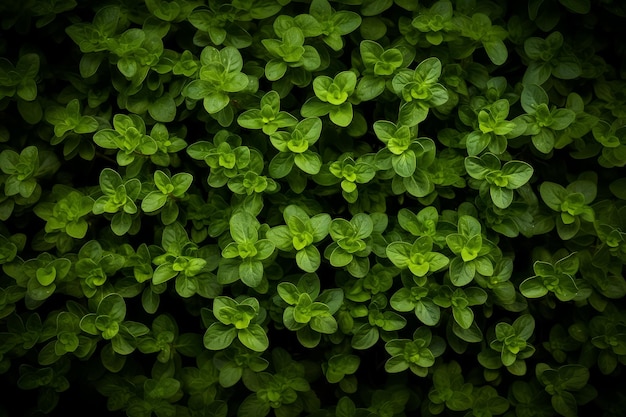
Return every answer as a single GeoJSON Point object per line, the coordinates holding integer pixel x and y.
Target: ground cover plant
{"type": "Point", "coordinates": [348, 208]}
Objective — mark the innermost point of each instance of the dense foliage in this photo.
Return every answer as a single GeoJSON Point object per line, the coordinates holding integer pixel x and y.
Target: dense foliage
{"type": "Point", "coordinates": [317, 208]}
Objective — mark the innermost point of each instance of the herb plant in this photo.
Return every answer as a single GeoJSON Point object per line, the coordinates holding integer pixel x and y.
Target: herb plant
{"type": "Point", "coordinates": [317, 208]}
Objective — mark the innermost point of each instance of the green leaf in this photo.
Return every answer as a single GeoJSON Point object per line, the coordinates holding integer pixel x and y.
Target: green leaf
{"type": "Point", "coordinates": [364, 337]}
{"type": "Point", "coordinates": [251, 119]}
{"type": "Point", "coordinates": [9, 160]}
{"type": "Point", "coordinates": [281, 165]}
{"type": "Point", "coordinates": [342, 115]}
{"type": "Point", "coordinates": [219, 336]}
{"type": "Point", "coordinates": [27, 90]}
{"type": "Point", "coordinates": [537, 72]}
{"type": "Point", "coordinates": [405, 163]}
{"type": "Point", "coordinates": [254, 337]}
{"type": "Point", "coordinates": [429, 70]}
{"type": "Point", "coordinates": [374, 7]}
{"type": "Point", "coordinates": [396, 364]}
{"type": "Point", "coordinates": [478, 167]}
{"type": "Point", "coordinates": [110, 180]}
{"type": "Point", "coordinates": [618, 188]}
{"type": "Point", "coordinates": [463, 316]}
{"type": "Point", "coordinates": [324, 324]}
{"type": "Point", "coordinates": [497, 51]}
{"type": "Point", "coordinates": [162, 388]}
{"type": "Point", "coordinates": [244, 227]}
{"type": "Point", "coordinates": [163, 109]}
{"type": "Point", "coordinates": [106, 138]}
{"type": "Point", "coordinates": [501, 197]}
{"type": "Point", "coordinates": [198, 89]}
{"type": "Point", "coordinates": [89, 63]}
{"type": "Point", "coordinates": [309, 162]}
{"type": "Point", "coordinates": [153, 201]}
{"type": "Point", "coordinates": [565, 404]}
{"type": "Point", "coordinates": [332, 298]}
{"type": "Point", "coordinates": [518, 173]}
{"type": "Point", "coordinates": [461, 273]}
{"type": "Point", "coordinates": [469, 226]}
{"type": "Point", "coordinates": [574, 377]}
{"type": "Point", "coordinates": [150, 301]}
{"type": "Point", "coordinates": [577, 6]}
{"type": "Point", "coordinates": [412, 113]}
{"type": "Point", "coordinates": [308, 259]}
{"type": "Point", "coordinates": [215, 102]}
{"type": "Point", "coordinates": [428, 312]}
{"type": "Point", "coordinates": [281, 237]}
{"type": "Point", "coordinates": [112, 360]}
{"type": "Point", "coordinates": [163, 273]}
{"type": "Point", "coordinates": [113, 306]}
{"type": "Point", "coordinates": [77, 229]}
{"type": "Point", "coordinates": [181, 182]}
{"type": "Point", "coordinates": [562, 118]}
{"type": "Point", "coordinates": [533, 288]}
{"type": "Point", "coordinates": [275, 69]}
{"type": "Point", "coordinates": [288, 292]}
{"type": "Point", "coordinates": [393, 321]}
{"type": "Point", "coordinates": [121, 223]}
{"type": "Point", "coordinates": [567, 68]}
{"type": "Point", "coordinates": [403, 300]}
{"type": "Point", "coordinates": [30, 111]}
{"type": "Point", "coordinates": [524, 326]}
{"type": "Point", "coordinates": [251, 273]}
{"type": "Point", "coordinates": [338, 257]}
{"type": "Point", "coordinates": [532, 96]}
{"type": "Point", "coordinates": [253, 406]}
{"type": "Point", "coordinates": [265, 248]}
{"type": "Point", "coordinates": [369, 87]}
{"type": "Point", "coordinates": [553, 194]}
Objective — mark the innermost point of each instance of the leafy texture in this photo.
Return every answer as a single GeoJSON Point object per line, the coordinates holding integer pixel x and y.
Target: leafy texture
{"type": "Point", "coordinates": [346, 208]}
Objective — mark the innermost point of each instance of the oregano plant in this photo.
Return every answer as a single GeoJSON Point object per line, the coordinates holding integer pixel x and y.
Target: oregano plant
{"type": "Point", "coordinates": [312, 208]}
